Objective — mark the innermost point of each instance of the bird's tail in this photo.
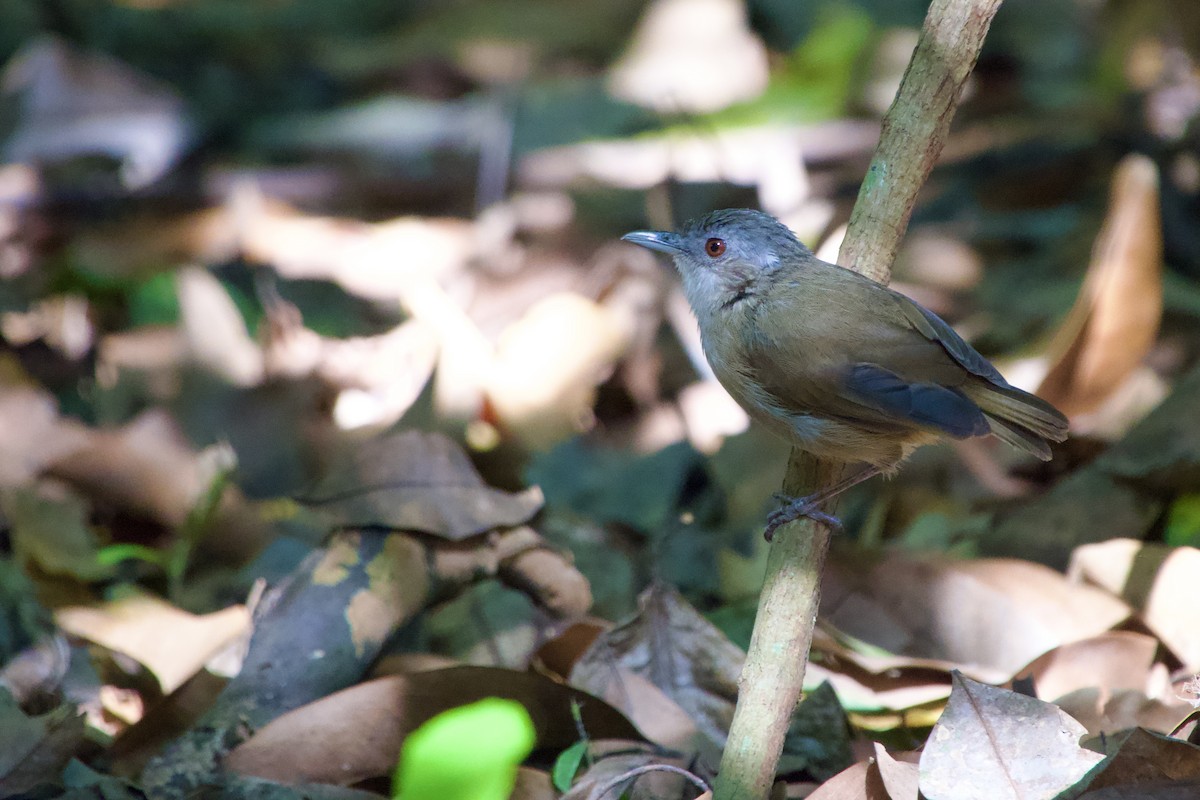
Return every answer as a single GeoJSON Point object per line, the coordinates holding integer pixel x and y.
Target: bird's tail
{"type": "Point", "coordinates": [1021, 419]}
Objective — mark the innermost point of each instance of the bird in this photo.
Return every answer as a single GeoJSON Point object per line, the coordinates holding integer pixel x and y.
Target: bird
{"type": "Point", "coordinates": [833, 362]}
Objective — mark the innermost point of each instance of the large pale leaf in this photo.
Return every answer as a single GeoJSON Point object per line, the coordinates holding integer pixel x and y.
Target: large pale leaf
{"type": "Point", "coordinates": [992, 744]}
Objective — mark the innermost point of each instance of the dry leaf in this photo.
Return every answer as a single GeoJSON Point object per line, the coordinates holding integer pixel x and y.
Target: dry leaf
{"type": "Point", "coordinates": [1159, 581]}
{"type": "Point", "coordinates": [994, 613]}
{"type": "Point", "coordinates": [171, 643]}
{"type": "Point", "coordinates": [858, 782]}
{"type": "Point", "coordinates": [417, 481]}
{"type": "Point", "coordinates": [628, 771]}
{"type": "Point", "coordinates": [547, 366]}
{"type": "Point", "coordinates": [356, 733]}
{"type": "Point", "coordinates": [992, 744]}
{"type": "Point", "coordinates": [213, 329]}
{"type": "Point", "coordinates": [692, 55]}
{"type": "Point", "coordinates": [899, 774]}
{"type": "Point", "coordinates": [1115, 320]}
{"type": "Point", "coordinates": [1111, 661]}
{"type": "Point", "coordinates": [674, 648]}
{"type": "Point", "coordinates": [32, 435]}
{"type": "Point", "coordinates": [1105, 712]}
{"type": "Point", "coordinates": [1145, 757]}
{"type": "Point", "coordinates": [77, 104]}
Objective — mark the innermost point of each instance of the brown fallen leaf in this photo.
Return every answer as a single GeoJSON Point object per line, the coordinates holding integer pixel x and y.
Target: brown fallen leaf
{"type": "Point", "coordinates": [420, 482]}
{"type": "Point", "coordinates": [214, 331]}
{"type": "Point", "coordinates": [634, 771]}
{"type": "Point", "coordinates": [998, 614]}
{"type": "Point", "coordinates": [356, 733]}
{"type": "Point", "coordinates": [1115, 320]}
{"type": "Point", "coordinates": [864, 692]}
{"type": "Point", "coordinates": [671, 647]}
{"type": "Point", "coordinates": [1157, 580]}
{"type": "Point", "coordinates": [1148, 758]}
{"type": "Point", "coordinates": [899, 773]}
{"type": "Point", "coordinates": [1105, 712]}
{"type": "Point", "coordinates": [547, 365]}
{"type": "Point", "coordinates": [858, 782]}
{"type": "Point", "coordinates": [559, 654]}
{"type": "Point", "coordinates": [1112, 661]}
{"type": "Point", "coordinates": [992, 744]}
{"type": "Point", "coordinates": [170, 642]}
{"type": "Point", "coordinates": [146, 467]}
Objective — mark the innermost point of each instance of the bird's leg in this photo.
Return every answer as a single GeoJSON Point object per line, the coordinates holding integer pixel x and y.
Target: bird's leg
{"type": "Point", "coordinates": [810, 505]}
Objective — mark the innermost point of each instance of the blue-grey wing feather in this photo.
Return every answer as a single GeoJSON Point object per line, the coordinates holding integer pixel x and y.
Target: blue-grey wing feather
{"type": "Point", "coordinates": [925, 404]}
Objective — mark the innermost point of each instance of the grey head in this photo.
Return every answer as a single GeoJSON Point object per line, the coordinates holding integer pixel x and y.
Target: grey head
{"type": "Point", "coordinates": [734, 240]}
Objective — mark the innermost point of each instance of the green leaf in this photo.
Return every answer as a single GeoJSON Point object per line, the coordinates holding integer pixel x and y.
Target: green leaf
{"type": "Point", "coordinates": [467, 753]}
{"type": "Point", "coordinates": [114, 554]}
{"type": "Point", "coordinates": [1183, 521]}
{"type": "Point", "coordinates": [566, 766]}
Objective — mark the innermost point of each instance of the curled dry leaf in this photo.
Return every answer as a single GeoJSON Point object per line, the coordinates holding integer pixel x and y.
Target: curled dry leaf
{"type": "Point", "coordinates": [899, 773]}
{"type": "Point", "coordinates": [1112, 661]}
{"type": "Point", "coordinates": [858, 782]}
{"type": "Point", "coordinates": [1115, 320]}
{"type": "Point", "coordinates": [146, 467]}
{"type": "Point", "coordinates": [417, 482]}
{"type": "Point", "coordinates": [1159, 581]}
{"type": "Point", "coordinates": [992, 744]}
{"type": "Point", "coordinates": [638, 773]}
{"type": "Point", "coordinates": [356, 733]}
{"type": "Point", "coordinates": [171, 643]}
{"type": "Point", "coordinates": [1105, 712]}
{"type": "Point", "coordinates": [995, 613]}
{"type": "Point", "coordinates": [671, 647]}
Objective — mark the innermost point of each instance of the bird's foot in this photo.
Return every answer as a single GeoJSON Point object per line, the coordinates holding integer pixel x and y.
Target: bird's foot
{"type": "Point", "coordinates": [793, 509]}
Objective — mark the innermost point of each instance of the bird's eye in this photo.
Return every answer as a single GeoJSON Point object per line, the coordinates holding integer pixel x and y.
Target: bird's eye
{"type": "Point", "coordinates": [714, 247]}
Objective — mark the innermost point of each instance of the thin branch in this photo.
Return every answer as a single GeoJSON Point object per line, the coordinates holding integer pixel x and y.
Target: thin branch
{"type": "Point", "coordinates": [914, 131]}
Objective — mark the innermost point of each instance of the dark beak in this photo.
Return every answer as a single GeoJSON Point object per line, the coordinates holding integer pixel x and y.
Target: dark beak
{"type": "Point", "coordinates": [662, 241]}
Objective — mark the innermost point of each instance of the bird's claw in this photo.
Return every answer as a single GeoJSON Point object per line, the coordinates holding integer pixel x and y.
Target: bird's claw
{"type": "Point", "coordinates": [794, 509]}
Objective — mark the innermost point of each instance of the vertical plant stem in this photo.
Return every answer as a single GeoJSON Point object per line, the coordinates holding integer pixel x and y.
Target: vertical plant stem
{"type": "Point", "coordinates": [914, 131]}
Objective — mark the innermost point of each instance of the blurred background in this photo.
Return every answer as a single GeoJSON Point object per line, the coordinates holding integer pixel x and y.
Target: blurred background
{"type": "Point", "coordinates": [239, 238]}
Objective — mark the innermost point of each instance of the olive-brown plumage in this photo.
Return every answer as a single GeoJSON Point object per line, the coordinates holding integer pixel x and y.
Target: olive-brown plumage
{"type": "Point", "coordinates": [832, 361]}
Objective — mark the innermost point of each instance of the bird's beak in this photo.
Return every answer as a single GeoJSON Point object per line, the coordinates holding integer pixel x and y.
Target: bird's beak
{"type": "Point", "coordinates": [662, 241]}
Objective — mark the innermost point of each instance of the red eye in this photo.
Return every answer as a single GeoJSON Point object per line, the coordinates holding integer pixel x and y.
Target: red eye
{"type": "Point", "coordinates": [714, 247]}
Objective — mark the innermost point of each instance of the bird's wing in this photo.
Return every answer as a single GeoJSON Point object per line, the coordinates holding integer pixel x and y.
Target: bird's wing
{"type": "Point", "coordinates": [866, 355]}
{"type": "Point", "coordinates": [935, 329]}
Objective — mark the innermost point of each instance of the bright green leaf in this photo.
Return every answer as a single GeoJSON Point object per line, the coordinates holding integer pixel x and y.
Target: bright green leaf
{"type": "Point", "coordinates": [467, 753]}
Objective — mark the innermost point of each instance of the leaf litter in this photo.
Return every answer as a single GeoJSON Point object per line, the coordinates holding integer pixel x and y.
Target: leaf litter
{"type": "Point", "coordinates": [474, 434]}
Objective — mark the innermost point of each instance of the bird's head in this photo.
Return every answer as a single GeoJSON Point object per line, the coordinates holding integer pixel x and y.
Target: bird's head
{"type": "Point", "coordinates": [725, 253]}
{"type": "Point", "coordinates": [716, 241]}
